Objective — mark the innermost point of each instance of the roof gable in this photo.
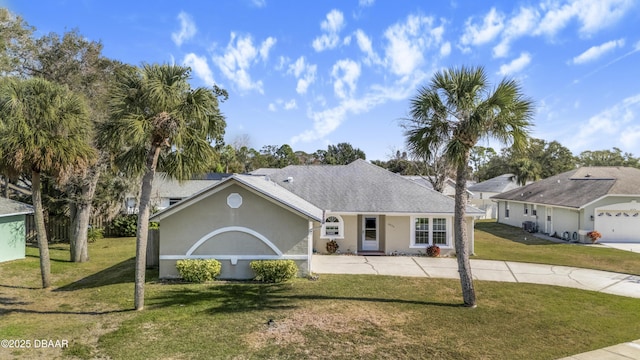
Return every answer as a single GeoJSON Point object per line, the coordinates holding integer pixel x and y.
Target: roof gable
{"type": "Point", "coordinates": [10, 207]}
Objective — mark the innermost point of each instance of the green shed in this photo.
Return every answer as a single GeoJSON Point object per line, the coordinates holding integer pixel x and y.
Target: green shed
{"type": "Point", "coordinates": [12, 229]}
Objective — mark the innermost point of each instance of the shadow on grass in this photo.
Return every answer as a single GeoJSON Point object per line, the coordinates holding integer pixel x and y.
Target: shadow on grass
{"type": "Point", "coordinates": [120, 273]}
{"type": "Point", "coordinates": [247, 297]}
{"type": "Point", "coordinates": [8, 311]}
{"type": "Point", "coordinates": [512, 233]}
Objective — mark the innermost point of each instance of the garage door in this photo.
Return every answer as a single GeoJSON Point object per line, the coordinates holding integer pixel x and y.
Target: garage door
{"type": "Point", "coordinates": [618, 222]}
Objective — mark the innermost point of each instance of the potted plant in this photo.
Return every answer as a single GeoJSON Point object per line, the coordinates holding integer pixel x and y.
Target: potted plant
{"type": "Point", "coordinates": [433, 251]}
{"type": "Point", "coordinates": [332, 247]}
{"type": "Point", "coordinates": [594, 236]}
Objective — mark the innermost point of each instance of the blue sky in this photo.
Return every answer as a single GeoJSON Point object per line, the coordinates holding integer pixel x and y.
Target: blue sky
{"type": "Point", "coordinates": [313, 73]}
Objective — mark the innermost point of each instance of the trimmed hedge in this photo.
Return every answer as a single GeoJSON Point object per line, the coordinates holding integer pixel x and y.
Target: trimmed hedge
{"type": "Point", "coordinates": [198, 270]}
{"type": "Point", "coordinates": [274, 271]}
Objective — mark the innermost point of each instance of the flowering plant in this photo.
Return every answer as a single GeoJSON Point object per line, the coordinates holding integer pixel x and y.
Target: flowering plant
{"type": "Point", "coordinates": [594, 236]}
{"type": "Point", "coordinates": [433, 251]}
{"type": "Point", "coordinates": [332, 247]}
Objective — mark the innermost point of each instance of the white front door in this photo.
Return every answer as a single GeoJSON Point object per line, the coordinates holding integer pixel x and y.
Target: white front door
{"type": "Point", "coordinates": [370, 233]}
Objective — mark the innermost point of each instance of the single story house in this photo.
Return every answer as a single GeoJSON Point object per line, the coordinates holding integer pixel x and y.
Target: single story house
{"type": "Point", "coordinates": [482, 192]}
{"type": "Point", "coordinates": [12, 229]}
{"type": "Point", "coordinates": [571, 204]}
{"type": "Point", "coordinates": [293, 212]}
{"type": "Point", "coordinates": [167, 191]}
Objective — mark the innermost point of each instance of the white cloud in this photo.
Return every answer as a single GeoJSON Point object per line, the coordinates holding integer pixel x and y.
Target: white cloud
{"type": "Point", "coordinates": [187, 29]}
{"type": "Point", "coordinates": [290, 105]}
{"type": "Point", "coordinates": [594, 52]}
{"type": "Point", "coordinates": [331, 26]}
{"type": "Point", "coordinates": [265, 47]}
{"type": "Point", "coordinates": [366, 46]}
{"type": "Point", "coordinates": [616, 122]}
{"type": "Point", "coordinates": [305, 73]}
{"type": "Point", "coordinates": [516, 65]}
{"type": "Point", "coordinates": [523, 23]}
{"type": "Point", "coordinates": [478, 34]}
{"type": "Point", "coordinates": [408, 41]}
{"type": "Point", "coordinates": [365, 3]}
{"type": "Point", "coordinates": [240, 54]}
{"type": "Point", "coordinates": [259, 3]}
{"type": "Point", "coordinates": [593, 15]}
{"type": "Point", "coordinates": [272, 107]}
{"type": "Point", "coordinates": [345, 73]}
{"type": "Point", "coordinates": [328, 120]}
{"type": "Point", "coordinates": [200, 67]}
{"type": "Point", "coordinates": [445, 49]}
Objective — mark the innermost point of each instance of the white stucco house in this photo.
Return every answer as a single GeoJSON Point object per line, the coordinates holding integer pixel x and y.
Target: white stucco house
{"type": "Point", "coordinates": [293, 212]}
{"type": "Point", "coordinates": [571, 204]}
{"type": "Point", "coordinates": [482, 192]}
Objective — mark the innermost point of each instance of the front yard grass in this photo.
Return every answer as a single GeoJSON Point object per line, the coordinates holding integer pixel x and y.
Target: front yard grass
{"type": "Point", "coordinates": [494, 241]}
{"type": "Point", "coordinates": [337, 316]}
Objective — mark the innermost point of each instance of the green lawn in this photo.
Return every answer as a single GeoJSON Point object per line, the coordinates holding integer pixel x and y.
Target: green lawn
{"type": "Point", "coordinates": [495, 241]}
{"type": "Point", "coordinates": [337, 316]}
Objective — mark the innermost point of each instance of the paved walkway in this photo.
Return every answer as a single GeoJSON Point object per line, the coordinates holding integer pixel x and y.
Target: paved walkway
{"type": "Point", "coordinates": [508, 271]}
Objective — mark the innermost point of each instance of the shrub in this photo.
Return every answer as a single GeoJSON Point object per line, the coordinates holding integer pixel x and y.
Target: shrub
{"type": "Point", "coordinates": [125, 225]}
{"type": "Point", "coordinates": [332, 247]}
{"type": "Point", "coordinates": [594, 235]}
{"type": "Point", "coordinates": [95, 233]}
{"type": "Point", "coordinates": [274, 271]}
{"type": "Point", "coordinates": [198, 270]}
{"type": "Point", "coordinates": [433, 251]}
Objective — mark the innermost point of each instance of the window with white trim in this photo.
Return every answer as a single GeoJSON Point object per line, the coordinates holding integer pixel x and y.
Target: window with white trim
{"type": "Point", "coordinates": [526, 209]}
{"type": "Point", "coordinates": [430, 231]}
{"type": "Point", "coordinates": [333, 227]}
{"type": "Point", "coordinates": [506, 210]}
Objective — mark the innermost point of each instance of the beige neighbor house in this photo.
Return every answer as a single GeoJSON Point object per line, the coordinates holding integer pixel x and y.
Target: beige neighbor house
{"type": "Point", "coordinates": [571, 204]}
{"type": "Point", "coordinates": [293, 212]}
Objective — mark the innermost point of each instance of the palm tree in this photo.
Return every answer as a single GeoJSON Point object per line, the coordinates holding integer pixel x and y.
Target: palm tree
{"type": "Point", "coordinates": [456, 110]}
{"type": "Point", "coordinates": [159, 122]}
{"type": "Point", "coordinates": [44, 130]}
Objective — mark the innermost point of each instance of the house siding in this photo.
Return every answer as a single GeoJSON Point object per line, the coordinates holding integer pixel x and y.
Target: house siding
{"type": "Point", "coordinates": [286, 230]}
{"type": "Point", "coordinates": [12, 237]}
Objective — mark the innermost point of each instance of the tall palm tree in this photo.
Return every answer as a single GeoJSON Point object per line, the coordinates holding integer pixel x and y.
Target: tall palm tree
{"type": "Point", "coordinates": [159, 122]}
{"type": "Point", "coordinates": [456, 110]}
{"type": "Point", "coordinates": [44, 130]}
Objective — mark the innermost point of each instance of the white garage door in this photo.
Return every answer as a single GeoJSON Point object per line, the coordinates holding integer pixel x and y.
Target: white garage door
{"type": "Point", "coordinates": [618, 222]}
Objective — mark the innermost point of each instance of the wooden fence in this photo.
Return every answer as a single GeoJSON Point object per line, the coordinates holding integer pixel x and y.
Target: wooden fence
{"type": "Point", "coordinates": [58, 228]}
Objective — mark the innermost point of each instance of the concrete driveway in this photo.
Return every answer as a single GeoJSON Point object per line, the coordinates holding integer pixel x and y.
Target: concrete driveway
{"type": "Point", "coordinates": [507, 271]}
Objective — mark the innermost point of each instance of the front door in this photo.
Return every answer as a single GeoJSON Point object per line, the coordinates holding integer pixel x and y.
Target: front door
{"type": "Point", "coordinates": [370, 233]}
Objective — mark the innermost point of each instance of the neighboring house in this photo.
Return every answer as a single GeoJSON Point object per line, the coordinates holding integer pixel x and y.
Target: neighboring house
{"type": "Point", "coordinates": [12, 229]}
{"type": "Point", "coordinates": [449, 184]}
{"type": "Point", "coordinates": [295, 211]}
{"type": "Point", "coordinates": [571, 204]}
{"type": "Point", "coordinates": [483, 191]}
{"type": "Point", "coordinates": [167, 191]}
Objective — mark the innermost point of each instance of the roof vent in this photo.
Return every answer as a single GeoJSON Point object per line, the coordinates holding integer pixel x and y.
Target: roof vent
{"type": "Point", "coordinates": [588, 175]}
{"type": "Point", "coordinates": [290, 179]}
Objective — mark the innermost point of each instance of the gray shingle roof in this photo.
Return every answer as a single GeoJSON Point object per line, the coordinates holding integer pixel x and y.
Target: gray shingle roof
{"type": "Point", "coordinates": [261, 185]}
{"type": "Point", "coordinates": [10, 207]}
{"type": "Point", "coordinates": [164, 187]}
{"type": "Point", "coordinates": [361, 187]}
{"type": "Point", "coordinates": [497, 184]}
{"type": "Point", "coordinates": [577, 188]}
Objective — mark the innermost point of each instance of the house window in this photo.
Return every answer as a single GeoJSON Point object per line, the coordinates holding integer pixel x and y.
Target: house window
{"type": "Point", "coordinates": [422, 231]}
{"type": "Point", "coordinates": [506, 210]}
{"type": "Point", "coordinates": [439, 231]}
{"type": "Point", "coordinates": [333, 227]}
{"type": "Point", "coordinates": [526, 209]}
{"type": "Point", "coordinates": [430, 231]}
{"type": "Point", "coordinates": [534, 211]}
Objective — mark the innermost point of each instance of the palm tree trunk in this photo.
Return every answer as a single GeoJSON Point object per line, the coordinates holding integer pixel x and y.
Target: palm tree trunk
{"type": "Point", "coordinates": [41, 231]}
{"type": "Point", "coordinates": [460, 235]}
{"type": "Point", "coordinates": [80, 216]}
{"type": "Point", "coordinates": [143, 224]}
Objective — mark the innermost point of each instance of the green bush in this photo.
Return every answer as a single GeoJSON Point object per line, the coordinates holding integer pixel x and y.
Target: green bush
{"type": "Point", "coordinates": [274, 271]}
{"type": "Point", "coordinates": [95, 233]}
{"type": "Point", "coordinates": [125, 225]}
{"type": "Point", "coordinates": [198, 270]}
